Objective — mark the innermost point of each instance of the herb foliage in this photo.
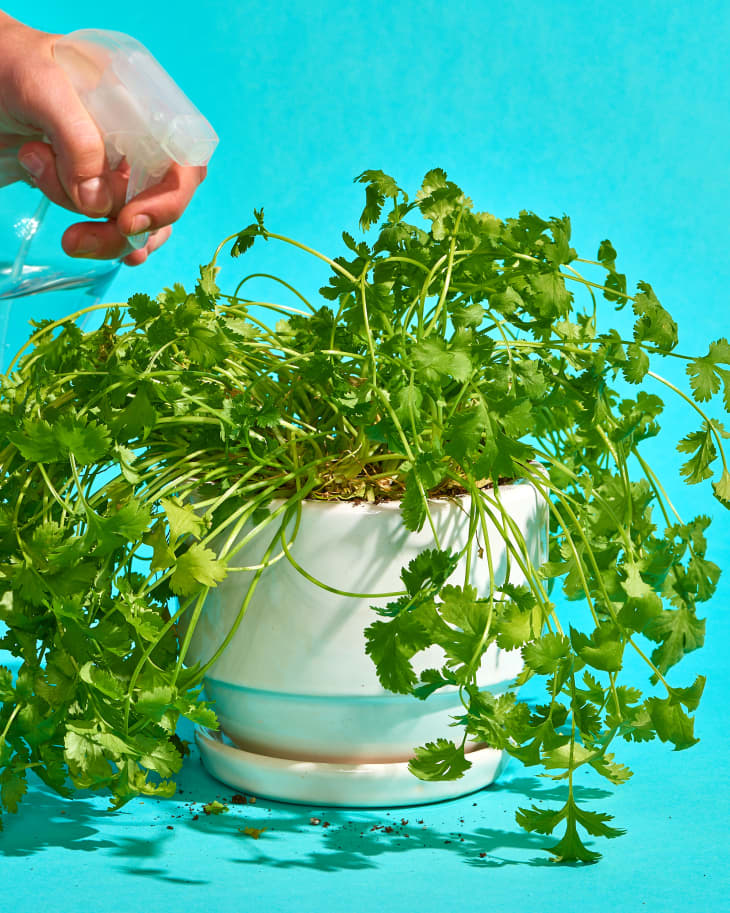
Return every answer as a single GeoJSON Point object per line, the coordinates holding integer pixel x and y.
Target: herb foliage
{"type": "Point", "coordinates": [449, 354]}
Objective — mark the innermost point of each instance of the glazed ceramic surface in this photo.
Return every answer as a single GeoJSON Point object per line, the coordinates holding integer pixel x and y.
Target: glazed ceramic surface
{"type": "Point", "coordinates": [295, 682]}
{"type": "Point", "coordinates": [329, 783]}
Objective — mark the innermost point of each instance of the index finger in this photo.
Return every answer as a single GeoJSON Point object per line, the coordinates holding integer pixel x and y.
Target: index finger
{"type": "Point", "coordinates": [75, 138]}
{"type": "Point", "coordinates": [162, 204]}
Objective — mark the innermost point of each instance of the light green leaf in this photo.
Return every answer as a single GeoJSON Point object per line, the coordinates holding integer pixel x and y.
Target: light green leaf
{"type": "Point", "coordinates": [654, 323]}
{"type": "Point", "coordinates": [671, 722]}
{"type": "Point", "coordinates": [701, 445]}
{"type": "Point", "coordinates": [465, 431]}
{"type": "Point", "coordinates": [602, 650]}
{"type": "Point", "coordinates": [562, 757]}
{"type": "Point", "coordinates": [544, 654]}
{"type": "Point", "coordinates": [118, 527]}
{"type": "Point", "coordinates": [539, 820]}
{"type": "Point", "coordinates": [608, 768]}
{"type": "Point", "coordinates": [243, 328]}
{"type": "Point", "coordinates": [102, 680]}
{"type": "Point", "coordinates": [163, 556]}
{"type": "Point", "coordinates": [690, 697]}
{"type": "Point", "coordinates": [678, 631]}
{"type": "Point", "coordinates": [195, 567]}
{"type": "Point", "coordinates": [433, 360]}
{"type": "Point", "coordinates": [439, 760]}
{"type": "Point", "coordinates": [637, 364]}
{"type": "Point", "coordinates": [206, 345]}
{"type": "Point", "coordinates": [722, 488]}
{"type": "Point", "coordinates": [208, 276]}
{"type": "Point", "coordinates": [154, 702]}
{"type": "Point", "coordinates": [42, 443]}
{"type": "Point", "coordinates": [519, 620]}
{"type": "Point", "coordinates": [551, 297]}
{"type": "Point", "coordinates": [703, 379]}
{"type": "Point", "coordinates": [182, 520]}
{"type": "Point", "coordinates": [164, 759]}
{"type": "Point", "coordinates": [126, 458]}
{"type": "Point", "coordinates": [596, 823]}
{"type": "Point", "coordinates": [413, 504]}
{"type": "Point", "coordinates": [429, 570]}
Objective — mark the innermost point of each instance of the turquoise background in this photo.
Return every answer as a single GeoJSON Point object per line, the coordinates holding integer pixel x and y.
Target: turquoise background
{"type": "Point", "coordinates": [617, 115]}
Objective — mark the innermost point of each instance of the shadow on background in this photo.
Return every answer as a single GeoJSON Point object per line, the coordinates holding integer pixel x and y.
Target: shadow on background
{"type": "Point", "coordinates": [146, 838]}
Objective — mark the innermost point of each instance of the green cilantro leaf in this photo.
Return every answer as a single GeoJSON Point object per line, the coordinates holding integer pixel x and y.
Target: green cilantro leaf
{"type": "Point", "coordinates": [13, 786]}
{"type": "Point", "coordinates": [391, 645]}
{"type": "Point", "coordinates": [378, 186]}
{"type": "Point", "coordinates": [602, 650]}
{"type": "Point", "coordinates": [413, 504]}
{"type": "Point", "coordinates": [671, 722]}
{"type": "Point", "coordinates": [545, 654]}
{"type": "Point", "coordinates": [196, 567]}
{"type": "Point", "coordinates": [702, 447]}
{"type": "Point", "coordinates": [433, 360]}
{"type": "Point", "coordinates": [429, 570]}
{"type": "Point", "coordinates": [182, 520]}
{"type": "Point", "coordinates": [439, 760]}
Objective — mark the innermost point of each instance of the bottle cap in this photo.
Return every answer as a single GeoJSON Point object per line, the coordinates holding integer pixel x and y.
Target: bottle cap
{"type": "Point", "coordinates": [142, 114]}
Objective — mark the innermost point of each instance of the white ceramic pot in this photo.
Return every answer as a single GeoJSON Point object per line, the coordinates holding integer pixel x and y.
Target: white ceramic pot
{"type": "Point", "coordinates": [303, 715]}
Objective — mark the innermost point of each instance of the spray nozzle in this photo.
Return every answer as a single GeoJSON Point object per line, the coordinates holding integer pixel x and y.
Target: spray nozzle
{"type": "Point", "coordinates": [142, 114]}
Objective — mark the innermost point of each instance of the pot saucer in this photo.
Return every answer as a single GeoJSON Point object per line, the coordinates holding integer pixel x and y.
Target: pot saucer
{"type": "Point", "coordinates": [338, 784]}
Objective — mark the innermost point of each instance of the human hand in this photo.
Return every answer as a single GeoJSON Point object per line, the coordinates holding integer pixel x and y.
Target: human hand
{"type": "Point", "coordinates": [60, 147]}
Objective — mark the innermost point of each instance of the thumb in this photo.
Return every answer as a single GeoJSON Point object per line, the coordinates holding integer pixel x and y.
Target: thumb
{"type": "Point", "coordinates": [78, 146]}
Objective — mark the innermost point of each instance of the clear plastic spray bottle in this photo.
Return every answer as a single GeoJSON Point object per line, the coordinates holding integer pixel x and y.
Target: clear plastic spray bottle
{"type": "Point", "coordinates": [143, 117]}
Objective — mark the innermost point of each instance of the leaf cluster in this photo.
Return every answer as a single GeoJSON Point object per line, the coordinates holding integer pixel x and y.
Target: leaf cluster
{"type": "Point", "coordinates": [452, 353]}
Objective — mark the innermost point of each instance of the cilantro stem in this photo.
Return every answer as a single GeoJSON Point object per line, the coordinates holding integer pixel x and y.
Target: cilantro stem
{"type": "Point", "coordinates": [250, 591]}
{"type": "Point", "coordinates": [521, 558]}
{"type": "Point", "coordinates": [368, 331]}
{"type": "Point", "coordinates": [16, 710]}
{"type": "Point", "coordinates": [337, 267]}
{"type": "Point", "coordinates": [420, 302]}
{"type": "Point", "coordinates": [320, 583]}
{"type": "Point", "coordinates": [599, 579]}
{"type": "Point", "coordinates": [281, 282]}
{"type": "Point", "coordinates": [54, 325]}
{"type": "Point", "coordinates": [447, 277]}
{"type": "Point", "coordinates": [67, 509]}
{"type": "Point", "coordinates": [661, 494]}
{"type": "Point", "coordinates": [694, 405]}
{"type": "Point", "coordinates": [236, 305]}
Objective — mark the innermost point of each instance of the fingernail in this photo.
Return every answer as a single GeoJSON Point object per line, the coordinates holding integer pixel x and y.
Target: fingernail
{"type": "Point", "coordinates": [139, 224]}
{"type": "Point", "coordinates": [88, 246]}
{"type": "Point", "coordinates": [32, 163]}
{"type": "Point", "coordinates": [95, 196]}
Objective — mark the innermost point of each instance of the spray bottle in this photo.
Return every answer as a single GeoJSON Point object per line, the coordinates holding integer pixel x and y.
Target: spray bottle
{"type": "Point", "coordinates": [143, 117]}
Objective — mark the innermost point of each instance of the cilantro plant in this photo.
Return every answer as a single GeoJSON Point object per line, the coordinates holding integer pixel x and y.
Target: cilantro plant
{"type": "Point", "coordinates": [454, 353]}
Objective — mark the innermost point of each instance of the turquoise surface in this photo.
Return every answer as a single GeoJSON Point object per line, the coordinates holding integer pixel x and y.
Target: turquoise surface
{"type": "Point", "coordinates": [617, 116]}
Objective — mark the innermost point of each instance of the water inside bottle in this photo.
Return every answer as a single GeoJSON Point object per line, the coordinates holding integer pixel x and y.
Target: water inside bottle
{"type": "Point", "coordinates": [37, 280]}
{"type": "Point", "coordinates": [43, 293]}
